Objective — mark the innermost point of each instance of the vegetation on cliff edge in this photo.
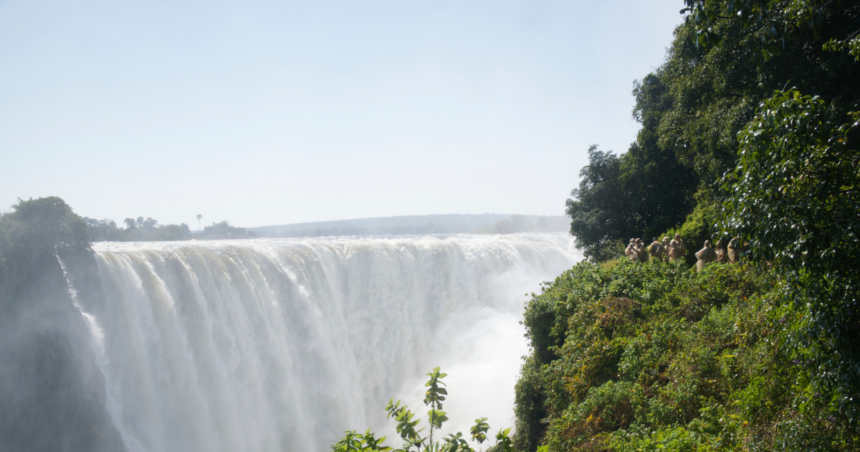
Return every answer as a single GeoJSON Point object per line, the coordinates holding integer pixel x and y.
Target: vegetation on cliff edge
{"type": "Point", "coordinates": [639, 357]}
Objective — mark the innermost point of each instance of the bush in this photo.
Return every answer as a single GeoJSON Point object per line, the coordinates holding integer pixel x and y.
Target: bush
{"type": "Point", "coordinates": [648, 356]}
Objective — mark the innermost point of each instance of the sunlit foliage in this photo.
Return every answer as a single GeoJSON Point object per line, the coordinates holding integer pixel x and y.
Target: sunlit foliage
{"type": "Point", "coordinates": [794, 196]}
{"type": "Point", "coordinates": [659, 357]}
{"type": "Point", "coordinates": [411, 434]}
{"type": "Point", "coordinates": [727, 58]}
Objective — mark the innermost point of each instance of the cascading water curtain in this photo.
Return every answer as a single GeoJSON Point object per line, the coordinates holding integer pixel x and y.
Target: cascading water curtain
{"type": "Point", "coordinates": [272, 345]}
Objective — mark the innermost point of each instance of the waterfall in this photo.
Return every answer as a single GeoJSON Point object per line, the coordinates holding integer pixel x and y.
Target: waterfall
{"type": "Point", "coordinates": [282, 344]}
{"type": "Point", "coordinates": [97, 335]}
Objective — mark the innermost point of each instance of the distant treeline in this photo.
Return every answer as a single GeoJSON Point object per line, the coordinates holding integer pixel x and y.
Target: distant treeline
{"type": "Point", "coordinates": [148, 230]}
{"type": "Point", "coordinates": [520, 223]}
{"type": "Point", "coordinates": [421, 224]}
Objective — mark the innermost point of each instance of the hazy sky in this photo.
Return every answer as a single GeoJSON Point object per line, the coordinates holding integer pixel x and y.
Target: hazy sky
{"type": "Point", "coordinates": [278, 112]}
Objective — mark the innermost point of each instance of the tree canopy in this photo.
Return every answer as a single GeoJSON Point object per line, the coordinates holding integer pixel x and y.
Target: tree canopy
{"type": "Point", "coordinates": [757, 106]}
{"type": "Point", "coordinates": [35, 228]}
{"type": "Point", "coordinates": [727, 58]}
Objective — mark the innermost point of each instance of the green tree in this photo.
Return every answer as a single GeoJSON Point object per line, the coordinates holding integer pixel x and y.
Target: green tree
{"type": "Point", "coordinates": [479, 430]}
{"type": "Point", "coordinates": [433, 398]}
{"type": "Point", "coordinates": [42, 225]}
{"type": "Point", "coordinates": [769, 21]}
{"type": "Point", "coordinates": [411, 436]}
{"type": "Point", "coordinates": [639, 194]}
{"type": "Point", "coordinates": [31, 237]}
{"type": "Point", "coordinates": [358, 442]}
{"type": "Point", "coordinates": [727, 58]}
{"type": "Point", "coordinates": [599, 209]}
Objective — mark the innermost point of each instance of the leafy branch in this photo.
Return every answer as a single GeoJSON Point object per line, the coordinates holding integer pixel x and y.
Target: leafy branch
{"type": "Point", "coordinates": [411, 436]}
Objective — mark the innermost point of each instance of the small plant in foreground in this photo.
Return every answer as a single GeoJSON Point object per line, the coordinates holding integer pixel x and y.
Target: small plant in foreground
{"type": "Point", "coordinates": [412, 439]}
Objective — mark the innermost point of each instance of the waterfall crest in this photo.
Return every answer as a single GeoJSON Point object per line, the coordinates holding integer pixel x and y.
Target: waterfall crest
{"type": "Point", "coordinates": [282, 344]}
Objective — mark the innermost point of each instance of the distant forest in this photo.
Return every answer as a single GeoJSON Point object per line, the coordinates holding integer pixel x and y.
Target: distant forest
{"type": "Point", "coordinates": [148, 230]}
{"type": "Point", "coordinates": [421, 224]}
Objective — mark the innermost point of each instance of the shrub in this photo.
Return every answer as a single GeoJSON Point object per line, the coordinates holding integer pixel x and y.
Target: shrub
{"type": "Point", "coordinates": [648, 356]}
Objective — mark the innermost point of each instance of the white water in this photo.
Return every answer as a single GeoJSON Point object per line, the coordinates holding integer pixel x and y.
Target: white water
{"type": "Point", "coordinates": [281, 345]}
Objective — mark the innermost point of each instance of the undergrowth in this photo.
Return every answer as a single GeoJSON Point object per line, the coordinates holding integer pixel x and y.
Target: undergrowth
{"type": "Point", "coordinates": [654, 356]}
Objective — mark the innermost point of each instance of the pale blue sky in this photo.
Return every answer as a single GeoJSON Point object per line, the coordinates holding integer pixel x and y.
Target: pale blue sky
{"type": "Point", "coordinates": [277, 112]}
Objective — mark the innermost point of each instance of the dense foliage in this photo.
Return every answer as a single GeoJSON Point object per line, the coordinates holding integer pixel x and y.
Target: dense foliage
{"type": "Point", "coordinates": [726, 60]}
{"type": "Point", "coordinates": [795, 197]}
{"type": "Point", "coordinates": [758, 103]}
{"type": "Point", "coordinates": [638, 357]}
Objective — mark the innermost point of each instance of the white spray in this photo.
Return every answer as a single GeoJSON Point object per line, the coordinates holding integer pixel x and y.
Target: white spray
{"type": "Point", "coordinates": [281, 345]}
{"type": "Point", "coordinates": [96, 333]}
